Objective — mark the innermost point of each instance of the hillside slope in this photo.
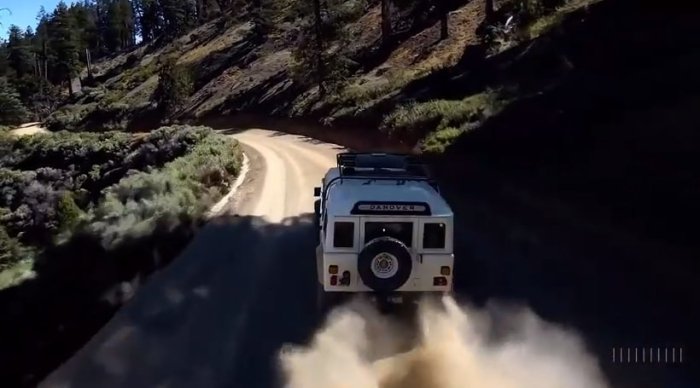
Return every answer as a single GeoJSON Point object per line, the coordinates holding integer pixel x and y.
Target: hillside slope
{"type": "Point", "coordinates": [585, 93]}
{"type": "Point", "coordinates": [235, 68]}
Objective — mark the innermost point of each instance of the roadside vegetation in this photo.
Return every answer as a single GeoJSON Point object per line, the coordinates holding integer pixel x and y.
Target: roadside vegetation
{"type": "Point", "coordinates": [84, 218]}
{"type": "Point", "coordinates": [110, 186]}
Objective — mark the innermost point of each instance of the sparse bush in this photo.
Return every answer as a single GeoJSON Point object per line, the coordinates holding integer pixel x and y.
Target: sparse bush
{"type": "Point", "coordinates": [68, 150]}
{"type": "Point", "coordinates": [417, 120]}
{"type": "Point", "coordinates": [11, 250]}
{"type": "Point", "coordinates": [60, 210]}
{"type": "Point", "coordinates": [438, 141]}
{"type": "Point", "coordinates": [69, 117]}
{"type": "Point", "coordinates": [68, 213]}
{"type": "Point", "coordinates": [182, 190]}
{"type": "Point", "coordinates": [164, 145]}
{"type": "Point", "coordinates": [30, 206]}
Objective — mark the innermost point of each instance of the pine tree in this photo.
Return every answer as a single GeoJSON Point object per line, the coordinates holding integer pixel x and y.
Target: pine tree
{"type": "Point", "coordinates": [444, 19]}
{"type": "Point", "coordinates": [386, 21]}
{"type": "Point", "coordinates": [489, 8]}
{"type": "Point", "coordinates": [63, 43]}
{"type": "Point", "coordinates": [174, 86]}
{"type": "Point", "coordinates": [148, 18]}
{"type": "Point", "coordinates": [12, 112]}
{"type": "Point", "coordinates": [120, 25]}
{"type": "Point", "coordinates": [87, 35]}
{"type": "Point", "coordinates": [178, 16]}
{"type": "Point", "coordinates": [41, 43]}
{"type": "Point", "coordinates": [19, 52]}
{"type": "Point", "coordinates": [317, 55]}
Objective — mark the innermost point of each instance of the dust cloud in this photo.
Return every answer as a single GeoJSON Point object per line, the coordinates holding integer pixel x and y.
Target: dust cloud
{"type": "Point", "coordinates": [448, 346]}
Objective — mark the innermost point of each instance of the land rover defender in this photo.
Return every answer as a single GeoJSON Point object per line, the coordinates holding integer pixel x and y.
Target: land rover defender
{"type": "Point", "coordinates": [384, 229]}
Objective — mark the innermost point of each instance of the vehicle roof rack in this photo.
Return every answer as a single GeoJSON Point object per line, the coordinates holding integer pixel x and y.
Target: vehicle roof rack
{"type": "Point", "coordinates": [381, 165]}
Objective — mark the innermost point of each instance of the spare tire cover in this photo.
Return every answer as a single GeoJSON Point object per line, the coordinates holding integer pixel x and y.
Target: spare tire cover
{"type": "Point", "coordinates": [384, 264]}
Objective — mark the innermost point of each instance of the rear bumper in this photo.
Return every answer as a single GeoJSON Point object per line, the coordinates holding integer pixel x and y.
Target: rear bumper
{"type": "Point", "coordinates": [426, 269]}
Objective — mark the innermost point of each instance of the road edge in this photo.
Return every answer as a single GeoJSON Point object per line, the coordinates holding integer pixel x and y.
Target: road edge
{"type": "Point", "coordinates": [218, 207]}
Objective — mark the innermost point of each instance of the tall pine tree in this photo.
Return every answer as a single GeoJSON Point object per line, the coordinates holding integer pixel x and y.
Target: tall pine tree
{"type": "Point", "coordinates": [64, 44]}
{"type": "Point", "coordinates": [19, 52]}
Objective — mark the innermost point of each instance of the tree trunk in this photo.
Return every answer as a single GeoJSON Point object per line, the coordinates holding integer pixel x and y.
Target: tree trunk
{"type": "Point", "coordinates": [489, 10]}
{"type": "Point", "coordinates": [386, 21]}
{"type": "Point", "coordinates": [319, 47]}
{"type": "Point", "coordinates": [89, 63]}
{"type": "Point", "coordinates": [70, 86]}
{"type": "Point", "coordinates": [43, 56]}
{"type": "Point", "coordinates": [444, 21]}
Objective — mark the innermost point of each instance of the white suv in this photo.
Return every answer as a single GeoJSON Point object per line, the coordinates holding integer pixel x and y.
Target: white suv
{"type": "Point", "coordinates": [384, 229]}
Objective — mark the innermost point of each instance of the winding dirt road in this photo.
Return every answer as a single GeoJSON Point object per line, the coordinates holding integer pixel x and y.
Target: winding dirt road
{"type": "Point", "coordinates": [244, 287]}
{"type": "Point", "coordinates": [29, 129]}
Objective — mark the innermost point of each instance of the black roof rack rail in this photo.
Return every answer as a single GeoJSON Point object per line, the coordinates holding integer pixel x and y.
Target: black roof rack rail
{"type": "Point", "coordinates": [388, 165]}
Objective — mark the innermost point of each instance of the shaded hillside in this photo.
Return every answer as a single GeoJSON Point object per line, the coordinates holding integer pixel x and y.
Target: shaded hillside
{"type": "Point", "coordinates": [237, 66]}
{"type": "Point", "coordinates": [605, 118]}
{"type": "Point", "coordinates": [587, 102]}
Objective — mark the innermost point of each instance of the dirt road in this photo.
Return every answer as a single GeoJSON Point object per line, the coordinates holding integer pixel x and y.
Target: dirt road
{"type": "Point", "coordinates": [243, 288]}
{"type": "Point", "coordinates": [29, 129]}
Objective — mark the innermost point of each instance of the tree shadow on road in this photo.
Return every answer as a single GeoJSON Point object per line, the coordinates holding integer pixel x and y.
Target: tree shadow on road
{"type": "Point", "coordinates": [215, 316]}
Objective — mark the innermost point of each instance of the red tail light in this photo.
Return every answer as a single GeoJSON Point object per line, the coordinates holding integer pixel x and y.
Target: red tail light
{"type": "Point", "coordinates": [334, 280]}
{"type": "Point", "coordinates": [440, 281]}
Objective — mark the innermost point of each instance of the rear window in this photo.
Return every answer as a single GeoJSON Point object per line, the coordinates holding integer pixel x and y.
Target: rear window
{"type": "Point", "coordinates": [434, 235]}
{"type": "Point", "coordinates": [402, 231]}
{"type": "Point", "coordinates": [344, 234]}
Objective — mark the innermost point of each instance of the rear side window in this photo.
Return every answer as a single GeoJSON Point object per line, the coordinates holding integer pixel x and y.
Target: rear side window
{"type": "Point", "coordinates": [402, 231]}
{"type": "Point", "coordinates": [434, 236]}
{"type": "Point", "coordinates": [344, 234]}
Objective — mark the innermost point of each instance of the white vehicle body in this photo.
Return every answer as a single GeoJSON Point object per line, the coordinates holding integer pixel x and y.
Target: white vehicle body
{"type": "Point", "coordinates": [377, 212]}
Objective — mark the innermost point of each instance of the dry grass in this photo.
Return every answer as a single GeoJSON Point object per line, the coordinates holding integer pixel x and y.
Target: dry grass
{"type": "Point", "coordinates": [221, 42]}
{"type": "Point", "coordinates": [415, 58]}
{"type": "Point", "coordinates": [142, 93]}
{"type": "Point", "coordinates": [548, 22]}
{"type": "Point", "coordinates": [368, 89]}
{"type": "Point", "coordinates": [425, 51]}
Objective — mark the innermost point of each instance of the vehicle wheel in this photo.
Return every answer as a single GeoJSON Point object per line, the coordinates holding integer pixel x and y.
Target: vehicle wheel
{"type": "Point", "coordinates": [385, 264]}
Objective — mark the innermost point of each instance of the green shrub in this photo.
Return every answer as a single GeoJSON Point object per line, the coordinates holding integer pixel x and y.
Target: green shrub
{"type": "Point", "coordinates": [81, 150]}
{"type": "Point", "coordinates": [438, 141]}
{"type": "Point", "coordinates": [15, 260]}
{"type": "Point", "coordinates": [162, 199]}
{"type": "Point", "coordinates": [10, 250]}
{"type": "Point", "coordinates": [68, 213]}
{"type": "Point", "coordinates": [418, 119]}
{"type": "Point", "coordinates": [69, 117]}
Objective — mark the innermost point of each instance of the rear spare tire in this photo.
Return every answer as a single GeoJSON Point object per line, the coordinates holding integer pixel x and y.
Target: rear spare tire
{"type": "Point", "coordinates": [384, 264]}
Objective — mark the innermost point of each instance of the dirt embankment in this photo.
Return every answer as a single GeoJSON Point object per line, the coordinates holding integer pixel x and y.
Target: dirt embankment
{"type": "Point", "coordinates": [354, 136]}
